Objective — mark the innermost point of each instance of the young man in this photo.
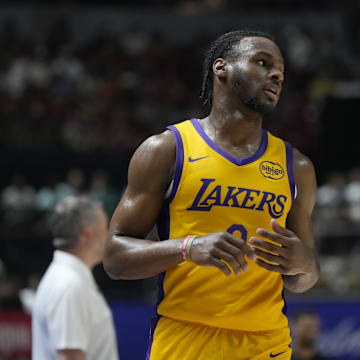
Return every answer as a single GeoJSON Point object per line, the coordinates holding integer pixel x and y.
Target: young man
{"type": "Point", "coordinates": [232, 204]}
{"type": "Point", "coordinates": [71, 320]}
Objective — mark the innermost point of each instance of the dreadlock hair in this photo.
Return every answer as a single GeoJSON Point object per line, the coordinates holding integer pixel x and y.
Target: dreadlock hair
{"type": "Point", "coordinates": [224, 47]}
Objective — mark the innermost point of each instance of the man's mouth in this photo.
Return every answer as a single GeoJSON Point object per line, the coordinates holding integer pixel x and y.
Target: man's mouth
{"type": "Point", "coordinates": [271, 93]}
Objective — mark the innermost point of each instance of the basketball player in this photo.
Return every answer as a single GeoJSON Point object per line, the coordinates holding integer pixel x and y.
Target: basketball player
{"type": "Point", "coordinates": [232, 205]}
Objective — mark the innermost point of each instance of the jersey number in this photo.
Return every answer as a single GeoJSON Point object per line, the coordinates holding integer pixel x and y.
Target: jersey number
{"type": "Point", "coordinates": [240, 228]}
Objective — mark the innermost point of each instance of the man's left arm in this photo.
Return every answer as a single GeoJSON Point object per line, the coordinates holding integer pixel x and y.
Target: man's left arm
{"type": "Point", "coordinates": [294, 256]}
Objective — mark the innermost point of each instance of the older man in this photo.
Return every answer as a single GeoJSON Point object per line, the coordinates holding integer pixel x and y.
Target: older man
{"type": "Point", "coordinates": [71, 319]}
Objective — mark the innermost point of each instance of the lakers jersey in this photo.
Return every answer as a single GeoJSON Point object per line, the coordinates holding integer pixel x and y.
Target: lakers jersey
{"type": "Point", "coordinates": [214, 191]}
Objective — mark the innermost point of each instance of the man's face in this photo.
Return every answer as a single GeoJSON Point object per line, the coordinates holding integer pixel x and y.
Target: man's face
{"type": "Point", "coordinates": [257, 74]}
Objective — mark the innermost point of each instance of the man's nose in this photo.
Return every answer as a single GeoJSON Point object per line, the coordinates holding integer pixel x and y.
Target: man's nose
{"type": "Point", "coordinates": [277, 76]}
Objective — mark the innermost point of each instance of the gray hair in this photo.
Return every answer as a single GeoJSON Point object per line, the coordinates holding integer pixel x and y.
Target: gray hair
{"type": "Point", "coordinates": [70, 216]}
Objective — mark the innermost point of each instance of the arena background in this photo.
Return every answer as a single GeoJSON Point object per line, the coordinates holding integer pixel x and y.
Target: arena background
{"type": "Point", "coordinates": [83, 83]}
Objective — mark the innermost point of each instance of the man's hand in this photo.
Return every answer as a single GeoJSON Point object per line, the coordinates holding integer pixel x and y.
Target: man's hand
{"type": "Point", "coordinates": [221, 250]}
{"type": "Point", "coordinates": [289, 256]}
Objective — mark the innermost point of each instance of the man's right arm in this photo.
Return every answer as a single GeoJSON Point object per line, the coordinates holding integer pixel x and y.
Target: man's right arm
{"type": "Point", "coordinates": [127, 254]}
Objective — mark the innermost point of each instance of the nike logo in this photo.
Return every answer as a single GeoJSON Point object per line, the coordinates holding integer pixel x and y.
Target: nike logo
{"type": "Point", "coordinates": [275, 355]}
{"type": "Point", "coordinates": [192, 160]}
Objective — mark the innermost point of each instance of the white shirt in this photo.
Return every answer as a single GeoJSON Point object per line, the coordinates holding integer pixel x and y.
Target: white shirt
{"type": "Point", "coordinates": [70, 313]}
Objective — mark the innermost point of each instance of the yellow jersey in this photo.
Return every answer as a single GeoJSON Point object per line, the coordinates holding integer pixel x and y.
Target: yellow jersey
{"type": "Point", "coordinates": [215, 191]}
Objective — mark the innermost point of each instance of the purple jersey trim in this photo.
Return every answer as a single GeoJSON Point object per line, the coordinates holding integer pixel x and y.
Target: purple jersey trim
{"type": "Point", "coordinates": [290, 168]}
{"type": "Point", "coordinates": [179, 164]}
{"type": "Point", "coordinates": [237, 161]}
{"type": "Point", "coordinates": [163, 223]}
{"type": "Point", "coordinates": [155, 319]}
{"type": "Point", "coordinates": [163, 226]}
{"type": "Point", "coordinates": [284, 309]}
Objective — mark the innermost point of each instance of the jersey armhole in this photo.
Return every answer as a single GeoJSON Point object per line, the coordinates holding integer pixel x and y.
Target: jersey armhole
{"type": "Point", "coordinates": [179, 164]}
{"type": "Point", "coordinates": [290, 169]}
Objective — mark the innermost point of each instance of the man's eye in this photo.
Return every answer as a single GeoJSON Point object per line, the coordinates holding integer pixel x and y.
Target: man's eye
{"type": "Point", "coordinates": [261, 62]}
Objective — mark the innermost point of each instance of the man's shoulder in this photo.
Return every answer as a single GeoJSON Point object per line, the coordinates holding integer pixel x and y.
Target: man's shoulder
{"type": "Point", "coordinates": [60, 285]}
{"type": "Point", "coordinates": [162, 144]}
{"type": "Point", "coordinates": [59, 279]}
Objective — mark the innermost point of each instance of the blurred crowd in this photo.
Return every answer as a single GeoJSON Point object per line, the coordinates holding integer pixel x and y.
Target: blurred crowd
{"type": "Point", "coordinates": [25, 212]}
{"type": "Point", "coordinates": [110, 92]}
{"type": "Point", "coordinates": [113, 90]}
{"type": "Point", "coordinates": [337, 229]}
{"type": "Point", "coordinates": [104, 95]}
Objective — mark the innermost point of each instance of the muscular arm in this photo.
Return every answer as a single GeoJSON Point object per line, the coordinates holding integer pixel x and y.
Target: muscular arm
{"type": "Point", "coordinates": [67, 354]}
{"type": "Point", "coordinates": [127, 254]}
{"type": "Point", "coordinates": [299, 221]}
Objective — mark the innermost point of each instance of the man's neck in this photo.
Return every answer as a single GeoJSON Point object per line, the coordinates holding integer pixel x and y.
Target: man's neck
{"type": "Point", "coordinates": [237, 125]}
{"type": "Point", "coordinates": [84, 256]}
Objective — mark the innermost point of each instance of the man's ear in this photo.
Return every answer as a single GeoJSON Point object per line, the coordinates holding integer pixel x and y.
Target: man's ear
{"type": "Point", "coordinates": [85, 235]}
{"type": "Point", "coordinates": [220, 68]}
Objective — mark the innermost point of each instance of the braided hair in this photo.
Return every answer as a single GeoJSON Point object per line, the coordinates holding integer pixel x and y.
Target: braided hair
{"type": "Point", "coordinates": [224, 47]}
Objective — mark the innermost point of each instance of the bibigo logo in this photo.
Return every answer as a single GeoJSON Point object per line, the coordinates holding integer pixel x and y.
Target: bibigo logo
{"type": "Point", "coordinates": [272, 170]}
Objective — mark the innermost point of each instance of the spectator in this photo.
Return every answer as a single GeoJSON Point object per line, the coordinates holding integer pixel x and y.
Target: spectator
{"type": "Point", "coordinates": [17, 200]}
{"type": "Point", "coordinates": [352, 195]}
{"type": "Point", "coordinates": [45, 196]}
{"type": "Point", "coordinates": [330, 196]}
{"type": "Point", "coordinates": [73, 185]}
{"type": "Point", "coordinates": [71, 319]}
{"type": "Point", "coordinates": [305, 331]}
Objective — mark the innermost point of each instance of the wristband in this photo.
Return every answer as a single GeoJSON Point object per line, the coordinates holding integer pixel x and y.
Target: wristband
{"type": "Point", "coordinates": [188, 248]}
{"type": "Point", "coordinates": [184, 245]}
